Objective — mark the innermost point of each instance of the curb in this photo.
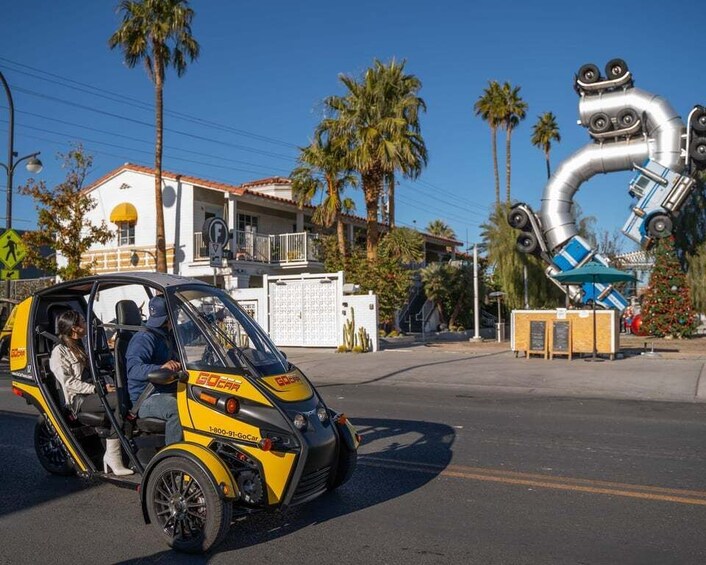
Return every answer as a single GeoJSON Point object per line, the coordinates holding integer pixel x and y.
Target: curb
{"type": "Point", "coordinates": [701, 384]}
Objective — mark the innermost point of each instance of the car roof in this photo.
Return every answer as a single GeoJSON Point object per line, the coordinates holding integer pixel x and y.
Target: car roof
{"type": "Point", "coordinates": [159, 280]}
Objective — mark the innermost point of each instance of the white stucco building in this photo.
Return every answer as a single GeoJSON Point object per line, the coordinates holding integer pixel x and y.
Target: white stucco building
{"type": "Point", "coordinates": [271, 235]}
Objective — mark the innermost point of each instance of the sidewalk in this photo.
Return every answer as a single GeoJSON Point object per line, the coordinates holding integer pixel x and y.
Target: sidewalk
{"type": "Point", "coordinates": [677, 375]}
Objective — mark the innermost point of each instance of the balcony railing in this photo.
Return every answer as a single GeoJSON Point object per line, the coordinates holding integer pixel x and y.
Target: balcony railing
{"type": "Point", "coordinates": [264, 248]}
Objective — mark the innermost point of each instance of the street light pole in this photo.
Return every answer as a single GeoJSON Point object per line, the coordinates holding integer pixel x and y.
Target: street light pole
{"type": "Point", "coordinates": [476, 301]}
{"type": "Point", "coordinates": [34, 165]}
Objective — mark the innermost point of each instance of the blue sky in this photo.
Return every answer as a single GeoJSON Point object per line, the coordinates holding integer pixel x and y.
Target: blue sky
{"type": "Point", "coordinates": [265, 67]}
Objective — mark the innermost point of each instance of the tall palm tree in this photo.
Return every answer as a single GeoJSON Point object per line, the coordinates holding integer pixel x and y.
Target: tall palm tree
{"type": "Point", "coordinates": [158, 34]}
{"type": "Point", "coordinates": [544, 132]}
{"type": "Point", "coordinates": [514, 111]}
{"type": "Point", "coordinates": [377, 122]}
{"type": "Point", "coordinates": [489, 107]}
{"type": "Point", "coordinates": [322, 168]}
{"type": "Point", "coordinates": [441, 228]}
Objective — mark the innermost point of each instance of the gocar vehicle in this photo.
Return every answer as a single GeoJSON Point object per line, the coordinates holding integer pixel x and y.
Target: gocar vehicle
{"type": "Point", "coordinates": [257, 434]}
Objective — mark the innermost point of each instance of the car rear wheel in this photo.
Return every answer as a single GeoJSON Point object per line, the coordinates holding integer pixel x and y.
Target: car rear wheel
{"type": "Point", "coordinates": [616, 68]}
{"type": "Point", "coordinates": [518, 219]}
{"type": "Point", "coordinates": [184, 504]}
{"type": "Point", "coordinates": [50, 449]}
{"type": "Point", "coordinates": [526, 243]}
{"type": "Point", "coordinates": [589, 74]}
{"type": "Point", "coordinates": [659, 226]}
{"type": "Point", "coordinates": [600, 123]}
{"type": "Point", "coordinates": [697, 150]}
{"type": "Point", "coordinates": [626, 118]}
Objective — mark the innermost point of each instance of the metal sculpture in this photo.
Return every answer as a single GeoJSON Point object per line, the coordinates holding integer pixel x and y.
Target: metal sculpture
{"type": "Point", "coordinates": [631, 129]}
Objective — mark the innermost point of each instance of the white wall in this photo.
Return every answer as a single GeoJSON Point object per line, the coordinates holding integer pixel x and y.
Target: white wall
{"type": "Point", "coordinates": [365, 307]}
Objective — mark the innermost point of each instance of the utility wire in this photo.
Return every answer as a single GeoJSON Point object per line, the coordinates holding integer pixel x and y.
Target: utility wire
{"type": "Point", "coordinates": [124, 99]}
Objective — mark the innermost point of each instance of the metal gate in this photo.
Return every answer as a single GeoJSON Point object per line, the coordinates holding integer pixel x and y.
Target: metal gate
{"type": "Point", "coordinates": [305, 310]}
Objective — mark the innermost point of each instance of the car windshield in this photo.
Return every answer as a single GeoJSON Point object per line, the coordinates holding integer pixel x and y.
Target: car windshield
{"type": "Point", "coordinates": [205, 316]}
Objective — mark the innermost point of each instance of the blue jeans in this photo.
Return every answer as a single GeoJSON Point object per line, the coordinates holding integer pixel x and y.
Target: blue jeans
{"type": "Point", "coordinates": [164, 407]}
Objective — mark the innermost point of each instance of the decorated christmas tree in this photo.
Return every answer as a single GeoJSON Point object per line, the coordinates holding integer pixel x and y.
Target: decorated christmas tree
{"type": "Point", "coordinates": [666, 306]}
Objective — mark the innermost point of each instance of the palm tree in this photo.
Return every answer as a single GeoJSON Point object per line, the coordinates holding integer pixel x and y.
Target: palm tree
{"type": "Point", "coordinates": [403, 244]}
{"type": "Point", "coordinates": [437, 278]}
{"type": "Point", "coordinates": [489, 108]}
{"type": "Point", "coordinates": [377, 121]}
{"type": "Point", "coordinates": [514, 111]}
{"type": "Point", "coordinates": [322, 168]}
{"type": "Point", "coordinates": [544, 132]}
{"type": "Point", "coordinates": [440, 228]}
{"type": "Point", "coordinates": [158, 34]}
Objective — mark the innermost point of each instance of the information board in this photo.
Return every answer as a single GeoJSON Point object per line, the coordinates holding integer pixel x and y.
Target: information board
{"type": "Point", "coordinates": [561, 338]}
{"type": "Point", "coordinates": [538, 337]}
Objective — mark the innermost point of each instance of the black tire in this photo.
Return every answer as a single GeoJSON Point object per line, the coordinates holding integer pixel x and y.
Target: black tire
{"type": "Point", "coordinates": [518, 219]}
{"type": "Point", "coordinates": [589, 74]}
{"type": "Point", "coordinates": [526, 242]}
{"type": "Point", "coordinates": [185, 506]}
{"type": "Point", "coordinates": [659, 226]}
{"type": "Point", "coordinates": [4, 346]}
{"type": "Point", "coordinates": [626, 118]}
{"type": "Point", "coordinates": [616, 68]}
{"type": "Point", "coordinates": [697, 149]}
{"type": "Point", "coordinates": [600, 123]}
{"type": "Point", "coordinates": [698, 120]}
{"type": "Point", "coordinates": [347, 462]}
{"type": "Point", "coordinates": [50, 449]}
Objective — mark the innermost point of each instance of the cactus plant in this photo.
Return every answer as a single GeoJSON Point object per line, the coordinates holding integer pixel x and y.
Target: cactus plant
{"type": "Point", "coordinates": [364, 338]}
{"type": "Point", "coordinates": [349, 337]}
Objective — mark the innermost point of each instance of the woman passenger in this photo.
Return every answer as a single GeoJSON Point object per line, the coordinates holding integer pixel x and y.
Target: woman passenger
{"type": "Point", "coordinates": [68, 363]}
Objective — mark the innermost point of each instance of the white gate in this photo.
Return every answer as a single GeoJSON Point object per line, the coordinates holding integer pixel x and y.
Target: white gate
{"type": "Point", "coordinates": [305, 310]}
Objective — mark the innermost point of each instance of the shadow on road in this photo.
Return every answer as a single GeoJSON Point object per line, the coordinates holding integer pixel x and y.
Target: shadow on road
{"type": "Point", "coordinates": [23, 481]}
{"type": "Point", "coordinates": [389, 440]}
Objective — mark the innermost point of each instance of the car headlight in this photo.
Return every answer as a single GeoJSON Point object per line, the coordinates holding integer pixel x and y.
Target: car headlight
{"type": "Point", "coordinates": [322, 413]}
{"type": "Point", "coordinates": [300, 422]}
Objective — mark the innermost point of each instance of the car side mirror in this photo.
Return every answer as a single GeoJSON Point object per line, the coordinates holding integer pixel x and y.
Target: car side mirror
{"type": "Point", "coordinates": [163, 376]}
{"type": "Point", "coordinates": [183, 376]}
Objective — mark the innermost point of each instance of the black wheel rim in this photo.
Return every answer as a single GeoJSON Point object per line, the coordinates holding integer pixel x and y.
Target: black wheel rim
{"type": "Point", "coordinates": [180, 505]}
{"type": "Point", "coordinates": [50, 446]}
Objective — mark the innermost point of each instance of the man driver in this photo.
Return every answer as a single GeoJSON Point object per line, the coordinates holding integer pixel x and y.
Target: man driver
{"type": "Point", "coordinates": [148, 351]}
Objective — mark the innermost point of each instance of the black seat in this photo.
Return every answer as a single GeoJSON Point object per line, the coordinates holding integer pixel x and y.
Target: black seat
{"type": "Point", "coordinates": [128, 314]}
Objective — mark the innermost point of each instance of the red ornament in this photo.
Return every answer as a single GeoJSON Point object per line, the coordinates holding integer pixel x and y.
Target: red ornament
{"type": "Point", "coordinates": [636, 326]}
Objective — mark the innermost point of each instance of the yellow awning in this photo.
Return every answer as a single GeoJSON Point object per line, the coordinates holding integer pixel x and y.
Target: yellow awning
{"type": "Point", "coordinates": [124, 212]}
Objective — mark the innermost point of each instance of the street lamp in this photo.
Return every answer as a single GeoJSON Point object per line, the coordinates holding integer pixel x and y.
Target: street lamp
{"type": "Point", "coordinates": [135, 258]}
{"type": "Point", "coordinates": [34, 165]}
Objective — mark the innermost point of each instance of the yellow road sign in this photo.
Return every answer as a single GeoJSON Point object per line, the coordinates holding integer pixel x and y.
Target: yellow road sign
{"type": "Point", "coordinates": [8, 274]}
{"type": "Point", "coordinates": [12, 248]}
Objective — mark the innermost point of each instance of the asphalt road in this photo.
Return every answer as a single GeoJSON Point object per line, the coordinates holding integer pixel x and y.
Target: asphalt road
{"type": "Point", "coordinates": [445, 477]}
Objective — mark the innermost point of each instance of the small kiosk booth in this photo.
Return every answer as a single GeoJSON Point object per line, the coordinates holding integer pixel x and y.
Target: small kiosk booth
{"type": "Point", "coordinates": [564, 332]}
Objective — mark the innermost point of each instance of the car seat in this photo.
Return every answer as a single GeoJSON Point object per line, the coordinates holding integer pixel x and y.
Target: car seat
{"type": "Point", "coordinates": [128, 314]}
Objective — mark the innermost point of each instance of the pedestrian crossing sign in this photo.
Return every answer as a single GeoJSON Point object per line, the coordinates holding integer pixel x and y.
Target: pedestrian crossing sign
{"type": "Point", "coordinates": [9, 274]}
{"type": "Point", "coordinates": [12, 249]}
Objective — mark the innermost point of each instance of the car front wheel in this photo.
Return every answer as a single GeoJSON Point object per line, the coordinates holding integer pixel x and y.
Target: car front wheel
{"type": "Point", "coordinates": [184, 504]}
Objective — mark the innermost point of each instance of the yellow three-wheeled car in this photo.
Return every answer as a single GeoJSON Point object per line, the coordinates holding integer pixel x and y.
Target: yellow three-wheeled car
{"type": "Point", "coordinates": [257, 435]}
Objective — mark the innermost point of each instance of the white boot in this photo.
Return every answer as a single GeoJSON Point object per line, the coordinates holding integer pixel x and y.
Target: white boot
{"type": "Point", "coordinates": [113, 458]}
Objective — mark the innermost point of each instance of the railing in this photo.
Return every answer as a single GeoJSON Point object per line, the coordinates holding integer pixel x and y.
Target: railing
{"type": "Point", "coordinates": [263, 248]}
{"type": "Point", "coordinates": [118, 259]}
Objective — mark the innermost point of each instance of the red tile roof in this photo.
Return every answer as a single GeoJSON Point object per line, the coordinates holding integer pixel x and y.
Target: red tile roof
{"type": "Point", "coordinates": [239, 190]}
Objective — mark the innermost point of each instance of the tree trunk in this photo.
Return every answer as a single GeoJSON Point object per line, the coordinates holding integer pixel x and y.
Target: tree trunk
{"type": "Point", "coordinates": [507, 164]}
{"type": "Point", "coordinates": [341, 237]}
{"type": "Point", "coordinates": [391, 202]}
{"type": "Point", "coordinates": [496, 171]}
{"type": "Point", "coordinates": [456, 312]}
{"type": "Point", "coordinates": [371, 189]}
{"type": "Point", "coordinates": [549, 171]}
{"type": "Point", "coordinates": [161, 246]}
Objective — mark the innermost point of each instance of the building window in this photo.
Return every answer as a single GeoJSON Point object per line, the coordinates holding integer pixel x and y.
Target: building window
{"type": "Point", "coordinates": [126, 233]}
{"type": "Point", "coordinates": [247, 223]}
